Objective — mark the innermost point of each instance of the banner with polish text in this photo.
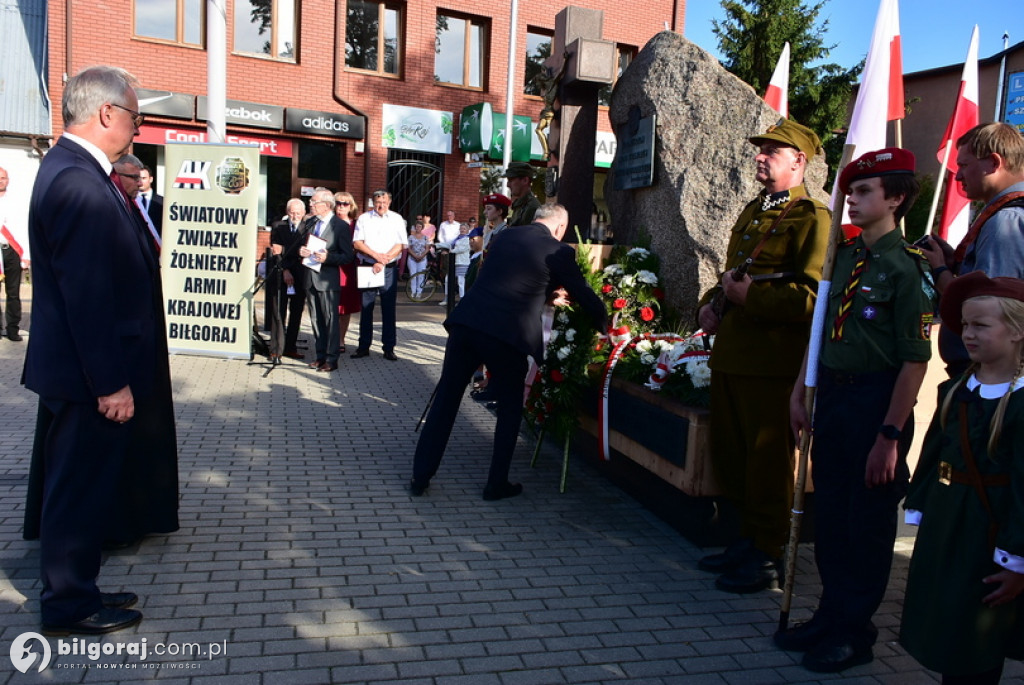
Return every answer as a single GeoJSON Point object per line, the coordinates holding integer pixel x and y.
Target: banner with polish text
{"type": "Point", "coordinates": [208, 260]}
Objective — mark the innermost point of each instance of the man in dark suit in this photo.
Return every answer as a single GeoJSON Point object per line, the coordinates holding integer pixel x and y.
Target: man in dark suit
{"type": "Point", "coordinates": [285, 237]}
{"type": "Point", "coordinates": [150, 202]}
{"type": "Point", "coordinates": [95, 356]}
{"type": "Point", "coordinates": [322, 278]}
{"type": "Point", "coordinates": [498, 323]}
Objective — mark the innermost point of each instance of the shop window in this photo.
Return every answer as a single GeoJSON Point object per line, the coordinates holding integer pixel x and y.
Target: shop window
{"type": "Point", "coordinates": [459, 50]}
{"type": "Point", "coordinates": [538, 49]}
{"type": "Point", "coordinates": [266, 27]}
{"type": "Point", "coordinates": [373, 37]}
{"type": "Point", "coordinates": [626, 55]}
{"type": "Point", "coordinates": [320, 161]}
{"type": "Point", "coordinates": [176, 21]}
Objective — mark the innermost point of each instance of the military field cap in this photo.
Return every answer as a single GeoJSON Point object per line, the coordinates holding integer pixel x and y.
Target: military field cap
{"type": "Point", "coordinates": [497, 199]}
{"type": "Point", "coordinates": [477, 232]}
{"type": "Point", "coordinates": [971, 285]}
{"type": "Point", "coordinates": [885, 162]}
{"type": "Point", "coordinates": [518, 170]}
{"type": "Point", "coordinates": [790, 133]}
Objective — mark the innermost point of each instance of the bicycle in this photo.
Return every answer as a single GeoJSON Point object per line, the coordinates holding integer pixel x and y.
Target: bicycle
{"type": "Point", "coordinates": [432, 281]}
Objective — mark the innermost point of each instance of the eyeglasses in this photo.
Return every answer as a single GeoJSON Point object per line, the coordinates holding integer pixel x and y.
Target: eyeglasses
{"type": "Point", "coordinates": [137, 119]}
{"type": "Point", "coordinates": [316, 202]}
{"type": "Point", "coordinates": [134, 177]}
{"type": "Point", "coordinates": [343, 203]}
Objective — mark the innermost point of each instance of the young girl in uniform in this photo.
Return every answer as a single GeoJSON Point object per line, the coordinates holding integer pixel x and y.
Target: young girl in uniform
{"type": "Point", "coordinates": [964, 610]}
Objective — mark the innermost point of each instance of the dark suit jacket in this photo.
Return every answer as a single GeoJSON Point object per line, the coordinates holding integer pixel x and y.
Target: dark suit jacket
{"type": "Point", "coordinates": [338, 235]}
{"type": "Point", "coordinates": [281, 234]}
{"type": "Point", "coordinates": [156, 212]}
{"type": "Point", "coordinates": [525, 264]}
{"type": "Point", "coordinates": [94, 281]}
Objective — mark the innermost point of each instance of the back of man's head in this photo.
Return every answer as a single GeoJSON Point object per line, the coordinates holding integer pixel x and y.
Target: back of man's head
{"type": "Point", "coordinates": [90, 88]}
{"type": "Point", "coordinates": [555, 217]}
{"type": "Point", "coordinates": [984, 140]}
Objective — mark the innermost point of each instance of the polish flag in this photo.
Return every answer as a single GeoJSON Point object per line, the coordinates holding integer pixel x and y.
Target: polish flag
{"type": "Point", "coordinates": [880, 96]}
{"type": "Point", "coordinates": [953, 223]}
{"type": "Point", "coordinates": [777, 95]}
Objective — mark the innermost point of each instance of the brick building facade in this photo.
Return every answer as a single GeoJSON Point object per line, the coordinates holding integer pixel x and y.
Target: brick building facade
{"type": "Point", "coordinates": [299, 61]}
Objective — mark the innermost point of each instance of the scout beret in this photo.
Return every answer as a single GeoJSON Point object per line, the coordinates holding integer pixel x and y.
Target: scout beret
{"type": "Point", "coordinates": [885, 162]}
{"type": "Point", "coordinates": [518, 170]}
{"type": "Point", "coordinates": [790, 133]}
{"type": "Point", "coordinates": [476, 233]}
{"type": "Point", "coordinates": [497, 199]}
{"type": "Point", "coordinates": [971, 285]}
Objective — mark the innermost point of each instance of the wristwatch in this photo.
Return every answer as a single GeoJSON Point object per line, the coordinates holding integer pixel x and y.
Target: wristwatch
{"type": "Point", "coordinates": [890, 431]}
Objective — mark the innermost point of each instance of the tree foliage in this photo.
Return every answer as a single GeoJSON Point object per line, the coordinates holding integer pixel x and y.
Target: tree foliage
{"type": "Point", "coordinates": [752, 36]}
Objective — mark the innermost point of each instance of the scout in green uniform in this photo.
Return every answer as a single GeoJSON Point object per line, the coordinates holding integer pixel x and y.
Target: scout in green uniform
{"type": "Point", "coordinates": [875, 351]}
{"type": "Point", "coordinates": [778, 244]}
{"type": "Point", "coordinates": [524, 203]}
{"type": "Point", "coordinates": [964, 611]}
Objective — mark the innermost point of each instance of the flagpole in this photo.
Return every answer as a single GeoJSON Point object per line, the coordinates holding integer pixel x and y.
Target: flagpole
{"type": "Point", "coordinates": [810, 387]}
{"type": "Point", "coordinates": [940, 185]}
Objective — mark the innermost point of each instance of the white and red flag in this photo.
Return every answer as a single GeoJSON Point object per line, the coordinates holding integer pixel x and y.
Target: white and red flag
{"type": "Point", "coordinates": [880, 96]}
{"type": "Point", "coordinates": [953, 223]}
{"type": "Point", "coordinates": [777, 95]}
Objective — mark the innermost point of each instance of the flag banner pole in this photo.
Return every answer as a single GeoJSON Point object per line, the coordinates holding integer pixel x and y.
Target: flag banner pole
{"type": "Point", "coordinates": [940, 186]}
{"type": "Point", "coordinates": [810, 386]}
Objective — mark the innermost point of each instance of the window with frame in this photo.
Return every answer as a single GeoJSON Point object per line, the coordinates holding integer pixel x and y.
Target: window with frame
{"type": "Point", "coordinates": [626, 55]}
{"type": "Point", "coordinates": [266, 27]}
{"type": "Point", "coordinates": [373, 37]}
{"type": "Point", "coordinates": [538, 49]}
{"type": "Point", "coordinates": [177, 21]}
{"type": "Point", "coordinates": [459, 50]}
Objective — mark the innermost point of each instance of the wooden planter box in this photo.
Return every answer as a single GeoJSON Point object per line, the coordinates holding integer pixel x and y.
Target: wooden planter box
{"type": "Point", "coordinates": [661, 434]}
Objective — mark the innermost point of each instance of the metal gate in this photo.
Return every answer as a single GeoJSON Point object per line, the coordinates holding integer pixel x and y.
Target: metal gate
{"type": "Point", "coordinates": [416, 184]}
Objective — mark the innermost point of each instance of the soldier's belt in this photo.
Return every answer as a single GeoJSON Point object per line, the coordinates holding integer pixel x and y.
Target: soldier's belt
{"type": "Point", "coordinates": [949, 475]}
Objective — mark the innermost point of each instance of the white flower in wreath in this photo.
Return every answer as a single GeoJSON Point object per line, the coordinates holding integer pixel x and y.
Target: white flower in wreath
{"type": "Point", "coordinates": [613, 270]}
{"type": "Point", "coordinates": [564, 352]}
{"type": "Point", "coordinates": [700, 373]}
{"type": "Point", "coordinates": [562, 317]}
{"type": "Point", "coordinates": [628, 281]}
{"type": "Point", "coordinates": [647, 277]}
{"type": "Point", "coordinates": [570, 334]}
{"type": "Point", "coordinates": [638, 252]}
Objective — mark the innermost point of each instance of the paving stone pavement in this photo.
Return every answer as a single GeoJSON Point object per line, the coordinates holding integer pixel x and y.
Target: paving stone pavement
{"type": "Point", "coordinates": [302, 559]}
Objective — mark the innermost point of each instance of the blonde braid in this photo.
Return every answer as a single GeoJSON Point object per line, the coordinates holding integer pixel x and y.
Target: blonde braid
{"type": "Point", "coordinates": [947, 401]}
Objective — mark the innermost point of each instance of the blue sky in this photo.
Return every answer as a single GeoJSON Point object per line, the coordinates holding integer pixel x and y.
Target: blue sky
{"type": "Point", "coordinates": [935, 33]}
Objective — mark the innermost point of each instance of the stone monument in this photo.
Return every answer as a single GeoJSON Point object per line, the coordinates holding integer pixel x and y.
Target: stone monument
{"type": "Point", "coordinates": [703, 162]}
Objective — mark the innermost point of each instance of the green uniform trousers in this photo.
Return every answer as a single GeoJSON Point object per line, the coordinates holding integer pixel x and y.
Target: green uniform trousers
{"type": "Point", "coordinates": [752, 453]}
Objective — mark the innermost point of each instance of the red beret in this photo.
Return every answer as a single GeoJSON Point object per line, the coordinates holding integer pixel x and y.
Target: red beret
{"type": "Point", "coordinates": [971, 285]}
{"type": "Point", "coordinates": [497, 199]}
{"type": "Point", "coordinates": [891, 160]}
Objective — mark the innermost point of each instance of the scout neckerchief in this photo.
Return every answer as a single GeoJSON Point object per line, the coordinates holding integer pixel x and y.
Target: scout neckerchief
{"type": "Point", "coordinates": [975, 229]}
{"type": "Point", "coordinates": [848, 292]}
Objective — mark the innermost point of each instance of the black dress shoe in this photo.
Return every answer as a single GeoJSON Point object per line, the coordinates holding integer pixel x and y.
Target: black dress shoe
{"type": "Point", "coordinates": [359, 354]}
{"type": "Point", "coordinates": [484, 395]}
{"type": "Point", "coordinates": [391, 356]}
{"type": "Point", "coordinates": [103, 621]}
{"type": "Point", "coordinates": [274, 358]}
{"type": "Point", "coordinates": [758, 572]}
{"type": "Point", "coordinates": [119, 600]}
{"type": "Point", "coordinates": [317, 364]}
{"type": "Point", "coordinates": [496, 492]}
{"type": "Point", "coordinates": [803, 637]}
{"type": "Point", "coordinates": [835, 654]}
{"type": "Point", "coordinates": [117, 545]}
{"type": "Point", "coordinates": [327, 367]}
{"type": "Point", "coordinates": [728, 559]}
{"type": "Point", "coordinates": [14, 337]}
{"type": "Point", "coordinates": [416, 488]}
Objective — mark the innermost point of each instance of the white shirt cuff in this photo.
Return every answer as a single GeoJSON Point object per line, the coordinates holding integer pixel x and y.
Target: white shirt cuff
{"type": "Point", "coordinates": [1008, 561]}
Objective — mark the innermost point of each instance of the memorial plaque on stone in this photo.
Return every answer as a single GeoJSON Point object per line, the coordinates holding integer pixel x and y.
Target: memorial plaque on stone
{"type": "Point", "coordinates": [634, 155]}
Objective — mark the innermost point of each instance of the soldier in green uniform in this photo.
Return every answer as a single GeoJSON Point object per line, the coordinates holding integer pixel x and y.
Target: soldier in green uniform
{"type": "Point", "coordinates": [524, 203]}
{"type": "Point", "coordinates": [874, 354]}
{"type": "Point", "coordinates": [778, 244]}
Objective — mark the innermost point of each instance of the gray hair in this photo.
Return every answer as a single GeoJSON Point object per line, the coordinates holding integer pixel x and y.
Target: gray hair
{"type": "Point", "coordinates": [90, 88]}
{"type": "Point", "coordinates": [295, 201]}
{"type": "Point", "coordinates": [324, 195]}
{"type": "Point", "coordinates": [551, 210]}
{"type": "Point", "coordinates": [132, 160]}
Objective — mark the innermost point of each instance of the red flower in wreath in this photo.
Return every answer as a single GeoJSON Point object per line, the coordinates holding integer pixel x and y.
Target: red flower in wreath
{"type": "Point", "coordinates": [557, 376]}
{"type": "Point", "coordinates": [646, 313]}
{"type": "Point", "coordinates": [619, 303]}
{"type": "Point", "coordinates": [606, 288]}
